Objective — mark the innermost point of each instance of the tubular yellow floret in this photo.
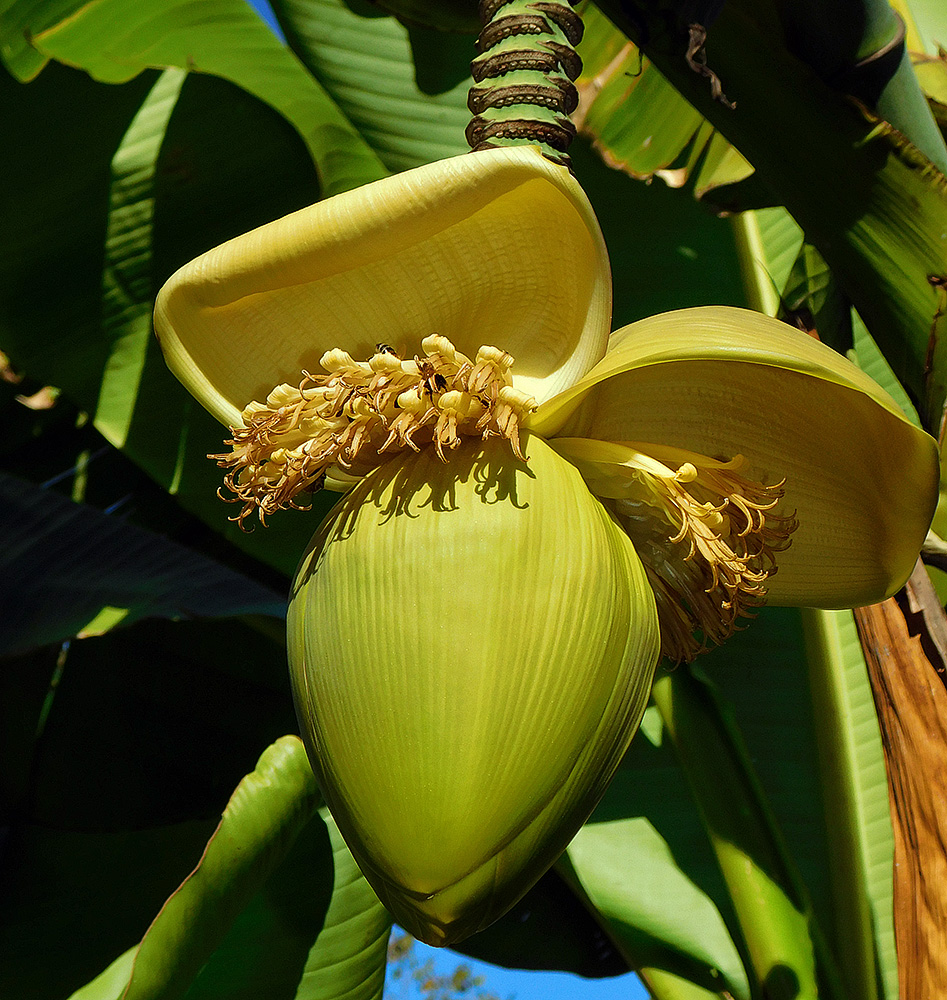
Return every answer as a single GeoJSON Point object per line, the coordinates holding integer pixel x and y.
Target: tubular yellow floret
{"type": "Point", "coordinates": [708, 538]}
{"type": "Point", "coordinates": [707, 535]}
{"type": "Point", "coordinates": [342, 424]}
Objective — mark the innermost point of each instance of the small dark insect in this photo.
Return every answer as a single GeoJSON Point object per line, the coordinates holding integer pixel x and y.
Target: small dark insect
{"type": "Point", "coordinates": [434, 381]}
{"type": "Point", "coordinates": [385, 349]}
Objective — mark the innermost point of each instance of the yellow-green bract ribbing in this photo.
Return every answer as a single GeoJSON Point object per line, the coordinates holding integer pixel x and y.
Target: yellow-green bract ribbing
{"type": "Point", "coordinates": [471, 646]}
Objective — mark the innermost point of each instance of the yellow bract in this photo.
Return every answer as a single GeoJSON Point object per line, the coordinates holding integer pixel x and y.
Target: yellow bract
{"type": "Point", "coordinates": [462, 714]}
{"type": "Point", "coordinates": [498, 248]}
{"type": "Point", "coordinates": [719, 381]}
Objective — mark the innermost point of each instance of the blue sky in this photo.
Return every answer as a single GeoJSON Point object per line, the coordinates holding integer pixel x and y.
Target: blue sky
{"type": "Point", "coordinates": [507, 983]}
{"type": "Point", "coordinates": [263, 8]}
{"type": "Point", "coordinates": [523, 985]}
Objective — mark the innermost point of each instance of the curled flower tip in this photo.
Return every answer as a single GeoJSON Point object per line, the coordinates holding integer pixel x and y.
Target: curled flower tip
{"type": "Point", "coordinates": [511, 404]}
{"type": "Point", "coordinates": [707, 536]}
{"type": "Point", "coordinates": [342, 424]}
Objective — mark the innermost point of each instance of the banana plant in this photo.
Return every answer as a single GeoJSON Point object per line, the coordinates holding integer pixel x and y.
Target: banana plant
{"type": "Point", "coordinates": [533, 518]}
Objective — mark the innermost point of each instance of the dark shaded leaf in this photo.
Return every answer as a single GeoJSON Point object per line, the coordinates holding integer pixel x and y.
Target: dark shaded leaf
{"type": "Point", "coordinates": [65, 564]}
{"type": "Point", "coordinates": [70, 902]}
{"type": "Point", "coordinates": [262, 820]}
{"type": "Point", "coordinates": [549, 928]}
{"type": "Point", "coordinates": [140, 727]}
{"type": "Point", "coordinates": [63, 327]}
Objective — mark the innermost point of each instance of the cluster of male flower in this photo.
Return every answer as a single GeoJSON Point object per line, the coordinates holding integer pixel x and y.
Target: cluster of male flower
{"type": "Point", "coordinates": [336, 427]}
{"type": "Point", "coordinates": [707, 536]}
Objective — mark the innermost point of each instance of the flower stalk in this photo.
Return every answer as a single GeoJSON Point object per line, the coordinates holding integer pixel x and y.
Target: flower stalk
{"type": "Point", "coordinates": [523, 92]}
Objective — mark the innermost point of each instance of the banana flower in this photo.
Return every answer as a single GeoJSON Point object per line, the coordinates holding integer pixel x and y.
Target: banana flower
{"type": "Point", "coordinates": [535, 509]}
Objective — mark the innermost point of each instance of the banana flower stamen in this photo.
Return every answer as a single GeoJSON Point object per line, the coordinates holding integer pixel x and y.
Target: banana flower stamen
{"type": "Point", "coordinates": [336, 427]}
{"type": "Point", "coordinates": [706, 534]}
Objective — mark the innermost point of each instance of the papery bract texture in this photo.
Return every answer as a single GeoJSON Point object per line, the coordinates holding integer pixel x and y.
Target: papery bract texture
{"type": "Point", "coordinates": [472, 646]}
{"type": "Point", "coordinates": [719, 381]}
{"type": "Point", "coordinates": [499, 248]}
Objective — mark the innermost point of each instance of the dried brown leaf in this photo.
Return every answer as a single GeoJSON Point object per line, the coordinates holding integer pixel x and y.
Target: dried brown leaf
{"type": "Point", "coordinates": [905, 644]}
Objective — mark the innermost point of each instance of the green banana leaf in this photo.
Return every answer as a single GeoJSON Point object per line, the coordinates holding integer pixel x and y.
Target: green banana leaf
{"type": "Point", "coordinates": [881, 205]}
{"type": "Point", "coordinates": [650, 832]}
{"type": "Point", "coordinates": [410, 112]}
{"type": "Point", "coordinates": [65, 567]}
{"type": "Point", "coordinates": [114, 43]}
{"type": "Point", "coordinates": [665, 921]}
{"type": "Point", "coordinates": [638, 122]}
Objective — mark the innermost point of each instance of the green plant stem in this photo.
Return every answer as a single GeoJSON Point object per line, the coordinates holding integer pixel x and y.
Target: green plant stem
{"type": "Point", "coordinates": [851, 764]}
{"type": "Point", "coordinates": [786, 947]}
{"type": "Point", "coordinates": [523, 92]}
